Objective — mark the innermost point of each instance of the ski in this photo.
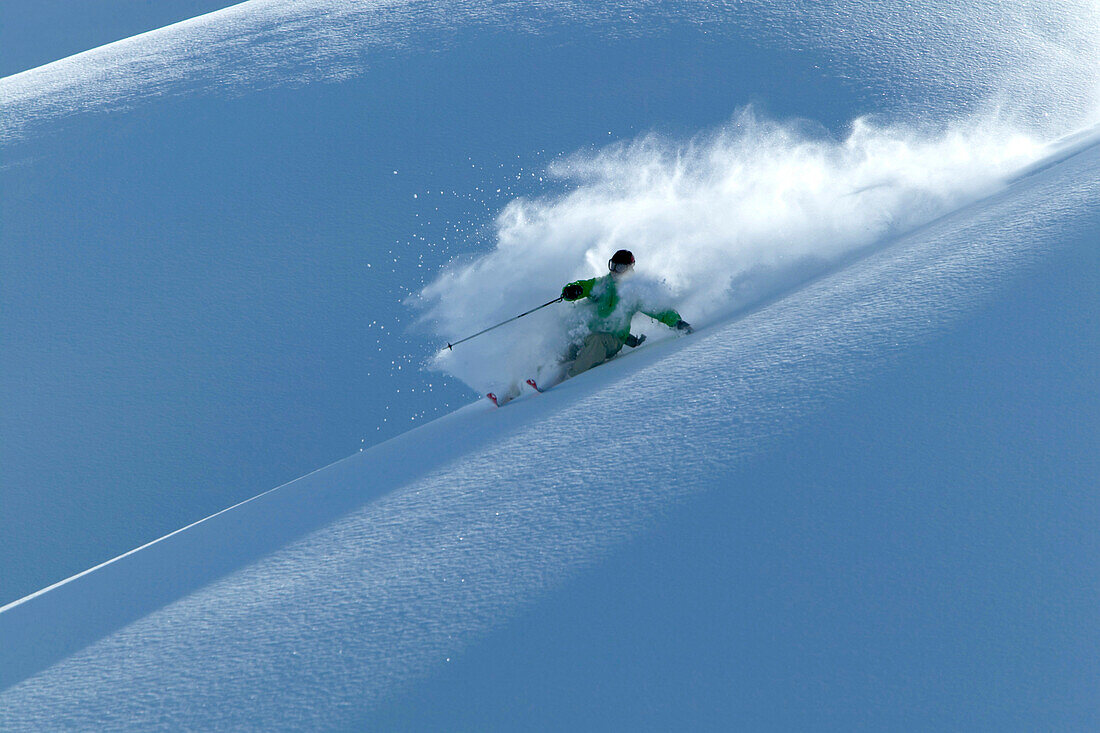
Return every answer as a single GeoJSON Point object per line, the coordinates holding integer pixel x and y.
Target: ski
{"type": "Point", "coordinates": [502, 399]}
{"type": "Point", "coordinates": [513, 393]}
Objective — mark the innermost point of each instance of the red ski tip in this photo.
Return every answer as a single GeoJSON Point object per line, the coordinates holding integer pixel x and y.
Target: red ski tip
{"type": "Point", "coordinates": [493, 397]}
{"type": "Point", "coordinates": [533, 385]}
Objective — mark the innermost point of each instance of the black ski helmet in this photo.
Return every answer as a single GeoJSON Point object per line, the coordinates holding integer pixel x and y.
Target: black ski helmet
{"type": "Point", "coordinates": [624, 258]}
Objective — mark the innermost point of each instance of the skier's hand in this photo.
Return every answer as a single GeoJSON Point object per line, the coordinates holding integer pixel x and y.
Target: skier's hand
{"type": "Point", "coordinates": [634, 341]}
{"type": "Point", "coordinates": [572, 291]}
{"type": "Point", "coordinates": [684, 326]}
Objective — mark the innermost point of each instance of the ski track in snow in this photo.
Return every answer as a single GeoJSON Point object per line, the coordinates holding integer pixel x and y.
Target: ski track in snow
{"type": "Point", "coordinates": [483, 511]}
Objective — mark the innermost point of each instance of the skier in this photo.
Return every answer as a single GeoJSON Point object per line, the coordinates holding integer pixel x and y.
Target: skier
{"type": "Point", "coordinates": [608, 325]}
{"type": "Point", "coordinates": [609, 321]}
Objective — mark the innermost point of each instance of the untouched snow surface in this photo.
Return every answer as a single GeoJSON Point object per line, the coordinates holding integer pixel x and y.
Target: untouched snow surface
{"type": "Point", "coordinates": [1024, 57]}
{"type": "Point", "coordinates": [311, 605]}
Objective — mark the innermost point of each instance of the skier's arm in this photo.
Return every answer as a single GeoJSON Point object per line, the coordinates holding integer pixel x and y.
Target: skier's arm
{"type": "Point", "coordinates": [577, 290]}
{"type": "Point", "coordinates": [671, 319]}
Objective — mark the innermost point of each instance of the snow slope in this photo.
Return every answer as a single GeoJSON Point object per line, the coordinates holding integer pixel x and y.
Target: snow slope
{"type": "Point", "coordinates": [1027, 54]}
{"type": "Point", "coordinates": [41, 31]}
{"type": "Point", "coordinates": [862, 501]}
{"type": "Point", "coordinates": [315, 604]}
{"type": "Point", "coordinates": [201, 302]}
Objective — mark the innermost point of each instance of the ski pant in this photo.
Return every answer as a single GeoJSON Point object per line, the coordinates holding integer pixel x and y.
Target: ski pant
{"type": "Point", "coordinates": [596, 349]}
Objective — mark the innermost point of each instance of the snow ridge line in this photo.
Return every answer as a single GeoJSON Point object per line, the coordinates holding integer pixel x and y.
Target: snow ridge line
{"type": "Point", "coordinates": [265, 43]}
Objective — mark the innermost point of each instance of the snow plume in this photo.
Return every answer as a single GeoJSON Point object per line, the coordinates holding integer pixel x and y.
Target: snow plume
{"type": "Point", "coordinates": [718, 223]}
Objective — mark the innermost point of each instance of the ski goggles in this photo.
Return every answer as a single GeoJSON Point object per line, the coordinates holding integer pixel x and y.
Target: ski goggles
{"type": "Point", "coordinates": [619, 266]}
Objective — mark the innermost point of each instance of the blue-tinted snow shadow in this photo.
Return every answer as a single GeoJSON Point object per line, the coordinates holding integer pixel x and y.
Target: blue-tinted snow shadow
{"type": "Point", "coordinates": [189, 284]}
{"type": "Point", "coordinates": [47, 627]}
{"type": "Point", "coordinates": [219, 169]}
{"type": "Point", "coordinates": [55, 623]}
{"type": "Point", "coordinates": [865, 340]}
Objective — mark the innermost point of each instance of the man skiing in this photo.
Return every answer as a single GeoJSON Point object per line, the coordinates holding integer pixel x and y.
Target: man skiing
{"type": "Point", "coordinates": [608, 325]}
{"type": "Point", "coordinates": [609, 321]}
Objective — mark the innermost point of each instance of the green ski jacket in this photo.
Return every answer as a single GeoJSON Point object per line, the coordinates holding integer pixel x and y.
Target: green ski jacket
{"type": "Point", "coordinates": [612, 315]}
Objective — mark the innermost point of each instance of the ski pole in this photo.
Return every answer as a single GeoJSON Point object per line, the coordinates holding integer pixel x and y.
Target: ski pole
{"type": "Point", "coordinates": [521, 315]}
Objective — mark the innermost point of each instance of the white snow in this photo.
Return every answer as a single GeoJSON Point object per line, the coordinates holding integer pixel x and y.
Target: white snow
{"type": "Point", "coordinates": [810, 265]}
{"type": "Point", "coordinates": [1034, 66]}
{"type": "Point", "coordinates": [311, 603]}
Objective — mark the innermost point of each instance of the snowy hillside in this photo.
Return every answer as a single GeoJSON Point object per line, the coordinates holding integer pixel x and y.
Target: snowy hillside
{"type": "Point", "coordinates": [213, 232]}
{"type": "Point", "coordinates": [861, 495]}
{"type": "Point", "coordinates": [310, 605]}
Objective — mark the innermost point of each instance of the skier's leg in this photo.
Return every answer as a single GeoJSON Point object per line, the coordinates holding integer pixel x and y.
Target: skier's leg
{"type": "Point", "coordinates": [597, 348]}
{"type": "Point", "coordinates": [589, 355]}
{"type": "Point", "coordinates": [514, 390]}
{"type": "Point", "coordinates": [551, 375]}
